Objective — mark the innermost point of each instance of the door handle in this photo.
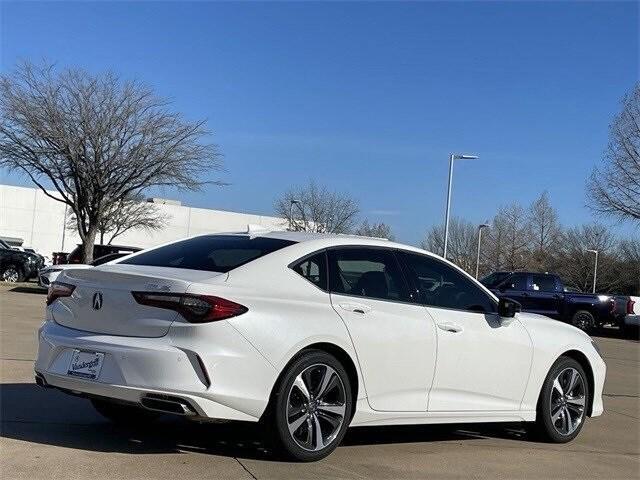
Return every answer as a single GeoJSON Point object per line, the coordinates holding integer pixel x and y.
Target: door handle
{"type": "Point", "coordinates": [450, 327]}
{"type": "Point", "coordinates": [355, 307]}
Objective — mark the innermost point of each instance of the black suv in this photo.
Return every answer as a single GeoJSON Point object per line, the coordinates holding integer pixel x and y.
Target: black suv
{"type": "Point", "coordinates": [17, 266]}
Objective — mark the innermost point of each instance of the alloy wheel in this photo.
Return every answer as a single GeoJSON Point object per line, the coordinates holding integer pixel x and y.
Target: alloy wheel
{"type": "Point", "coordinates": [568, 399]}
{"type": "Point", "coordinates": [582, 320]}
{"type": "Point", "coordinates": [316, 407]}
{"type": "Point", "coordinates": [10, 275]}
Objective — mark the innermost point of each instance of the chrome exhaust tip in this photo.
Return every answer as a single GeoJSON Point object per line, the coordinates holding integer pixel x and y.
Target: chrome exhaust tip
{"type": "Point", "coordinates": [40, 380]}
{"type": "Point", "coordinates": [168, 404]}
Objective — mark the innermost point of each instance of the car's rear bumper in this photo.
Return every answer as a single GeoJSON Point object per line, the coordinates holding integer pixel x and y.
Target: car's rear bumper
{"type": "Point", "coordinates": [632, 320]}
{"type": "Point", "coordinates": [207, 379]}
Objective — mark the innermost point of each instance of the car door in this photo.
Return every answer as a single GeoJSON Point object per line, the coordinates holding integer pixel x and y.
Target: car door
{"type": "Point", "coordinates": [483, 361]}
{"type": "Point", "coordinates": [394, 340]}
{"type": "Point", "coordinates": [548, 299]}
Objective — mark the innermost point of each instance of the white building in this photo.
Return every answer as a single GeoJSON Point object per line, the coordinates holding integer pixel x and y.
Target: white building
{"type": "Point", "coordinates": [29, 215]}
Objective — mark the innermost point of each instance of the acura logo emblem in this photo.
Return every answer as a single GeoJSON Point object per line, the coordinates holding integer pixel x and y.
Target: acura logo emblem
{"type": "Point", "coordinates": [97, 301]}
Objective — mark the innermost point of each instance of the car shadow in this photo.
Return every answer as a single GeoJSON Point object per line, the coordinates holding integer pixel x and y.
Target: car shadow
{"type": "Point", "coordinates": [21, 289]}
{"type": "Point", "coordinates": [614, 332]}
{"type": "Point", "coordinates": [47, 416]}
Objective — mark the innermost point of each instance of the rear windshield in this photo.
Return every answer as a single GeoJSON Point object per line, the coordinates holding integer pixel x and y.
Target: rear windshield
{"type": "Point", "coordinates": [215, 253]}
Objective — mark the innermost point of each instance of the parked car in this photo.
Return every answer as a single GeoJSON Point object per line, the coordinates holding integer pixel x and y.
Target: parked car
{"type": "Point", "coordinates": [310, 333]}
{"type": "Point", "coordinates": [546, 294]}
{"type": "Point", "coordinates": [99, 251]}
{"type": "Point", "coordinates": [49, 274]}
{"type": "Point", "coordinates": [18, 266]}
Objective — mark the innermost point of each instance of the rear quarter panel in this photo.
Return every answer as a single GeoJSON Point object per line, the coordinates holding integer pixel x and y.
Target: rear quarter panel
{"type": "Point", "coordinates": [286, 312]}
{"type": "Point", "coordinates": [591, 303]}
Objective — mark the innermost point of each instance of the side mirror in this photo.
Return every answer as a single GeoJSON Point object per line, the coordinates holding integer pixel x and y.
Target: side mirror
{"type": "Point", "coordinates": [508, 308]}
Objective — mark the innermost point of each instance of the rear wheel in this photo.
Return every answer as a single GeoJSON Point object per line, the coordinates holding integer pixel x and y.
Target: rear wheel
{"type": "Point", "coordinates": [312, 407]}
{"type": "Point", "coordinates": [563, 402]}
{"type": "Point", "coordinates": [122, 413]}
{"type": "Point", "coordinates": [583, 320]}
{"type": "Point", "coordinates": [11, 273]}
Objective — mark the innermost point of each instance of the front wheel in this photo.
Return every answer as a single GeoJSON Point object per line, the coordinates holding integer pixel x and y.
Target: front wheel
{"type": "Point", "coordinates": [312, 407]}
{"type": "Point", "coordinates": [12, 273]}
{"type": "Point", "coordinates": [563, 402]}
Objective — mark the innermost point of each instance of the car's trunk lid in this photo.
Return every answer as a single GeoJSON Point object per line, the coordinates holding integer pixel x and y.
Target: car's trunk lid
{"type": "Point", "coordinates": [102, 301]}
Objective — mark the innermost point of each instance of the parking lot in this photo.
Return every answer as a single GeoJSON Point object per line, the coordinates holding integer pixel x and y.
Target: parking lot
{"type": "Point", "coordinates": [47, 434]}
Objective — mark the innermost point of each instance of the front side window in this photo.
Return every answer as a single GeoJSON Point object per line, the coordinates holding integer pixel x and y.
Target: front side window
{"type": "Point", "coordinates": [439, 285]}
{"type": "Point", "coordinates": [367, 272]}
{"type": "Point", "coordinates": [494, 279]}
{"type": "Point", "coordinates": [314, 269]}
{"type": "Point", "coordinates": [543, 283]}
{"type": "Point", "coordinates": [517, 281]}
{"type": "Point", "coordinates": [214, 253]}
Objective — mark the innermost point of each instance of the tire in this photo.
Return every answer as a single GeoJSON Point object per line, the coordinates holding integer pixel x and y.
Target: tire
{"type": "Point", "coordinates": [566, 398]}
{"type": "Point", "coordinates": [583, 320]}
{"type": "Point", "coordinates": [296, 417]}
{"type": "Point", "coordinates": [12, 273]}
{"type": "Point", "coordinates": [122, 413]}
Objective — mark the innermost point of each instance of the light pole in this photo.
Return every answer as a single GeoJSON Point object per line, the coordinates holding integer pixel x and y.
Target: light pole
{"type": "Point", "coordinates": [480, 227]}
{"type": "Point", "coordinates": [452, 157]}
{"type": "Point", "coordinates": [595, 268]}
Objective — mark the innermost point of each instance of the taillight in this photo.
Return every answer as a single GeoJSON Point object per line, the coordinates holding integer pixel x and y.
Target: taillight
{"type": "Point", "coordinates": [630, 305]}
{"type": "Point", "coordinates": [194, 308]}
{"type": "Point", "coordinates": [58, 290]}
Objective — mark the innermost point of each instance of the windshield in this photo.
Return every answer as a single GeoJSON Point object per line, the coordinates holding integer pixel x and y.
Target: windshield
{"type": "Point", "coordinates": [215, 253]}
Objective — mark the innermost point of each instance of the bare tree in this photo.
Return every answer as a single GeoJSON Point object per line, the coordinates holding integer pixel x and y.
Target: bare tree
{"type": "Point", "coordinates": [508, 239]}
{"type": "Point", "coordinates": [96, 140]}
{"type": "Point", "coordinates": [576, 264]}
{"type": "Point", "coordinates": [313, 208]}
{"type": "Point", "coordinates": [614, 189]}
{"type": "Point", "coordinates": [462, 243]}
{"type": "Point", "coordinates": [379, 230]}
{"type": "Point", "coordinates": [545, 231]}
{"type": "Point", "coordinates": [630, 268]}
{"type": "Point", "coordinates": [124, 215]}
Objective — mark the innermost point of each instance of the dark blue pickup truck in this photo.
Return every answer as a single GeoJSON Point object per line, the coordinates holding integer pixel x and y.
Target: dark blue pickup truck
{"type": "Point", "coordinates": [546, 294]}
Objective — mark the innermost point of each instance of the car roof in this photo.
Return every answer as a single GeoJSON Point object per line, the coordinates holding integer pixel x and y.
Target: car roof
{"type": "Point", "coordinates": [326, 240]}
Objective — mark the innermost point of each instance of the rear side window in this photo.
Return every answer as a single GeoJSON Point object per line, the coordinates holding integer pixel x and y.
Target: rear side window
{"type": "Point", "coordinates": [214, 253]}
{"type": "Point", "coordinates": [367, 272]}
{"type": "Point", "coordinates": [314, 269]}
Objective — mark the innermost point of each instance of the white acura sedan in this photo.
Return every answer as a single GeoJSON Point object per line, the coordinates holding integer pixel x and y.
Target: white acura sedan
{"type": "Point", "coordinates": [310, 334]}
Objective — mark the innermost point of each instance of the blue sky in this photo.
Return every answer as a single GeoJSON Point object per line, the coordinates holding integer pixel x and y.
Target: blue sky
{"type": "Point", "coordinates": [368, 98]}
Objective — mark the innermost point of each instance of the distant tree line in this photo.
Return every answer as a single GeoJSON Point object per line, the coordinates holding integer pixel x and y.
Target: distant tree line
{"type": "Point", "coordinates": [532, 238]}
